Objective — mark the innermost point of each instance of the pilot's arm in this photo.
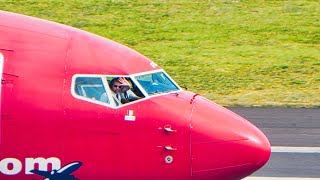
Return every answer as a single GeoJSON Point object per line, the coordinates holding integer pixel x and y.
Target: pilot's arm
{"type": "Point", "coordinates": [128, 96]}
{"type": "Point", "coordinates": [131, 96]}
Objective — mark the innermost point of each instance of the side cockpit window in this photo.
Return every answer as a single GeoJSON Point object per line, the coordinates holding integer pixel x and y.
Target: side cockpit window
{"type": "Point", "coordinates": [106, 90]}
{"type": "Point", "coordinates": [91, 88]}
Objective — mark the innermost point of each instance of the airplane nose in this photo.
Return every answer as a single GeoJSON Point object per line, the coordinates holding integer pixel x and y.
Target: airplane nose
{"type": "Point", "coordinates": [224, 145]}
{"type": "Point", "coordinates": [260, 148]}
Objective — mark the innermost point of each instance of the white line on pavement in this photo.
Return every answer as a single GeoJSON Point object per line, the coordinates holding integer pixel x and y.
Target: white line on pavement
{"type": "Point", "coordinates": [279, 178]}
{"type": "Point", "coordinates": [284, 149]}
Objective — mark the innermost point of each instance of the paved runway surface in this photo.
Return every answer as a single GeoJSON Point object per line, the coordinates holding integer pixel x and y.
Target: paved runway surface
{"type": "Point", "coordinates": [294, 135]}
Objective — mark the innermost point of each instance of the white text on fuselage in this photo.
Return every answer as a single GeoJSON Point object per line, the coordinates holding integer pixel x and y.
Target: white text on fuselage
{"type": "Point", "coordinates": [13, 166]}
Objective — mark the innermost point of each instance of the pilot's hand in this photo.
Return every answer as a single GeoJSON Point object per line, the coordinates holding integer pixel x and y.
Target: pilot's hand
{"type": "Point", "coordinates": [124, 88]}
{"type": "Point", "coordinates": [125, 85]}
{"type": "Point", "coordinates": [123, 81]}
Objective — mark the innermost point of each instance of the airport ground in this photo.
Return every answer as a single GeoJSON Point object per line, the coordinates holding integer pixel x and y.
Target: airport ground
{"type": "Point", "coordinates": [294, 136]}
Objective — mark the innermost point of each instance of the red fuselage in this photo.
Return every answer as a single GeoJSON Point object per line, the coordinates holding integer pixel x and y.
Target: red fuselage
{"type": "Point", "coordinates": [48, 128]}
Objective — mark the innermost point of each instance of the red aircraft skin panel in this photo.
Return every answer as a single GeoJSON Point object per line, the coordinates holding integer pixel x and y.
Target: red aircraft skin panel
{"type": "Point", "coordinates": [89, 54]}
{"type": "Point", "coordinates": [240, 145]}
{"type": "Point", "coordinates": [46, 130]}
{"type": "Point", "coordinates": [135, 149]}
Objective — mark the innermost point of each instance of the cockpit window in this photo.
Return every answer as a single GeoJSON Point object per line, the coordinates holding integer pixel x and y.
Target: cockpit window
{"type": "Point", "coordinates": [91, 88]}
{"type": "Point", "coordinates": [110, 90]}
{"type": "Point", "coordinates": [123, 90]}
{"type": "Point", "coordinates": [156, 83]}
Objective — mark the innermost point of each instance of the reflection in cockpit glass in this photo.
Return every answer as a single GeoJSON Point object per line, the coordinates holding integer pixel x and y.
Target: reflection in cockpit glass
{"type": "Point", "coordinates": [156, 83]}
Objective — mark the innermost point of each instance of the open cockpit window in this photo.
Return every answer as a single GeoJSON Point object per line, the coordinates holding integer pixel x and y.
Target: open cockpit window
{"type": "Point", "coordinates": [123, 90]}
{"type": "Point", "coordinates": [108, 90]}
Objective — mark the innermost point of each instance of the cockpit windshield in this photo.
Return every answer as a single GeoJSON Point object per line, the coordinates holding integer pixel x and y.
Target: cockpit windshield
{"type": "Point", "coordinates": [156, 83]}
{"type": "Point", "coordinates": [114, 91]}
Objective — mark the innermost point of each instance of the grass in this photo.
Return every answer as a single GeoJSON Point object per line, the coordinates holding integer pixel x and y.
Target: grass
{"type": "Point", "coordinates": [234, 52]}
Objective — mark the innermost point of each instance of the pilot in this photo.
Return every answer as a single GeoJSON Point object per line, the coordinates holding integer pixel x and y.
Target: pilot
{"type": "Point", "coordinates": [121, 92]}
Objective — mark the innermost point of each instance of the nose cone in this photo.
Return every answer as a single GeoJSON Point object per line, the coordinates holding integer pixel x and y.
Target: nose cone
{"type": "Point", "coordinates": [224, 145]}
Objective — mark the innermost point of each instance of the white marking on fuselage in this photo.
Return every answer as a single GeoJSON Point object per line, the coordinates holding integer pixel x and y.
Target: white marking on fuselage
{"type": "Point", "coordinates": [130, 116]}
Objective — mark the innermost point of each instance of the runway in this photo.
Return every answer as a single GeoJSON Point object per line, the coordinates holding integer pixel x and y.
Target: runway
{"type": "Point", "coordinates": [294, 135]}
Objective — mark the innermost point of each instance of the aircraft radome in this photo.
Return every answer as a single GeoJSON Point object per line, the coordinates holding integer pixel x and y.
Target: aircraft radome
{"type": "Point", "coordinates": [79, 106]}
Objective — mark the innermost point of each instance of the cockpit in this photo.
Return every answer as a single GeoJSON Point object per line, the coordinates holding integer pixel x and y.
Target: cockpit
{"type": "Point", "coordinates": [97, 88]}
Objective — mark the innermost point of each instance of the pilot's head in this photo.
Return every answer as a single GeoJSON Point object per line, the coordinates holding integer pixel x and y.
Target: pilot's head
{"type": "Point", "coordinates": [115, 85]}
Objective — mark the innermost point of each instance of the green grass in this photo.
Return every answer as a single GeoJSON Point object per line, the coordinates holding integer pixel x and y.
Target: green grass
{"type": "Point", "coordinates": [234, 52]}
